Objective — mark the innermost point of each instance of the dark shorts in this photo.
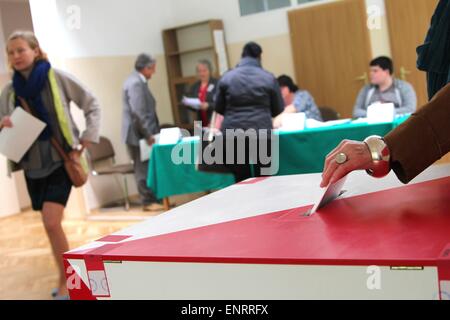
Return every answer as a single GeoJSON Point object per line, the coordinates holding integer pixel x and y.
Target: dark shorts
{"type": "Point", "coordinates": [55, 188]}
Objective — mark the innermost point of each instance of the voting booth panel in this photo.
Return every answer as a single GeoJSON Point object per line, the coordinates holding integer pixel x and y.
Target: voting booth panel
{"type": "Point", "coordinates": [381, 240]}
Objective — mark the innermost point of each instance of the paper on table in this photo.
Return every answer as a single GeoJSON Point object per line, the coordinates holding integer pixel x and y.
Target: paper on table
{"type": "Point", "coordinates": [360, 120]}
{"type": "Point", "coordinates": [170, 136]}
{"type": "Point", "coordinates": [15, 141]}
{"type": "Point", "coordinates": [293, 121]}
{"type": "Point", "coordinates": [146, 150]}
{"type": "Point", "coordinates": [192, 102]}
{"type": "Point", "coordinates": [312, 123]}
{"type": "Point", "coordinates": [381, 112]}
{"type": "Point", "coordinates": [332, 192]}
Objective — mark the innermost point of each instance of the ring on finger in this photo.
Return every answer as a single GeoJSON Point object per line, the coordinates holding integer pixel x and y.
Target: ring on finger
{"type": "Point", "coordinates": [341, 158]}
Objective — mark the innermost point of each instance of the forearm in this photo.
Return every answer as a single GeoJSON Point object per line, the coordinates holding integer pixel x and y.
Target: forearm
{"type": "Point", "coordinates": [360, 108]}
{"type": "Point", "coordinates": [92, 113]}
{"type": "Point", "coordinates": [404, 110]}
{"type": "Point", "coordinates": [140, 125]}
{"type": "Point", "coordinates": [422, 139]}
{"type": "Point", "coordinates": [359, 112]}
{"type": "Point", "coordinates": [409, 104]}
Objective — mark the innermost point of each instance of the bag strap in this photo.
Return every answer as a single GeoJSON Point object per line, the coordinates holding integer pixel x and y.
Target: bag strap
{"type": "Point", "coordinates": [53, 140]}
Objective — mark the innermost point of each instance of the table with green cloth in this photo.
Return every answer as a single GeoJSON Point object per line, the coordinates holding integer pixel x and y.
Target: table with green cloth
{"type": "Point", "coordinates": [299, 152]}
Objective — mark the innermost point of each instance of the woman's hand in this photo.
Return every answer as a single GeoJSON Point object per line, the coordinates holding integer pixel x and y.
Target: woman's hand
{"type": "Point", "coordinates": [358, 158]}
{"type": "Point", "coordinates": [85, 144]}
{"type": "Point", "coordinates": [151, 141]}
{"type": "Point", "coordinates": [290, 109]}
{"type": "Point", "coordinates": [204, 106]}
{"type": "Point", "coordinates": [6, 122]}
{"type": "Point", "coordinates": [278, 121]}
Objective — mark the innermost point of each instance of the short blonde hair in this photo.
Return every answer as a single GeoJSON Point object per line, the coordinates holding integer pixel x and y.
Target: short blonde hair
{"type": "Point", "coordinates": [32, 41]}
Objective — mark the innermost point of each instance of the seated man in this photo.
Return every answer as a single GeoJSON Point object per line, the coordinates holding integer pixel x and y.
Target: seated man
{"type": "Point", "coordinates": [384, 88]}
{"type": "Point", "coordinates": [296, 100]}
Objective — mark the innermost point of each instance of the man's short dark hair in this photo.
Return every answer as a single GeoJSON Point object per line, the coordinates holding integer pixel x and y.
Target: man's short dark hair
{"type": "Point", "coordinates": [286, 81]}
{"type": "Point", "coordinates": [253, 50]}
{"type": "Point", "coordinates": [384, 63]}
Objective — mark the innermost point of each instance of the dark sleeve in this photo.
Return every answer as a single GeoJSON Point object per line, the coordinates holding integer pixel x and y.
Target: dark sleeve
{"type": "Point", "coordinates": [423, 139]}
{"type": "Point", "coordinates": [220, 101]}
{"type": "Point", "coordinates": [276, 100]}
{"type": "Point", "coordinates": [210, 96]}
{"type": "Point", "coordinates": [193, 90]}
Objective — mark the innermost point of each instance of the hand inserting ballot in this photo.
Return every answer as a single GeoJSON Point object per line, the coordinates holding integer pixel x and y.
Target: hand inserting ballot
{"type": "Point", "coordinates": [356, 155]}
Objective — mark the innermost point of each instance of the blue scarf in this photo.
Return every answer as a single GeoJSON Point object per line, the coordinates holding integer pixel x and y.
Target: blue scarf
{"type": "Point", "coordinates": [30, 89]}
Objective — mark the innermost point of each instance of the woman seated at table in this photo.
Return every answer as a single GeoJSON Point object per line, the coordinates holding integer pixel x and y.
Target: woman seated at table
{"type": "Point", "coordinates": [295, 101]}
{"type": "Point", "coordinates": [204, 89]}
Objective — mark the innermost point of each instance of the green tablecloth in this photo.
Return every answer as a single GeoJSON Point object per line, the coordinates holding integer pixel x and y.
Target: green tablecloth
{"type": "Point", "coordinates": [300, 152]}
{"type": "Point", "coordinates": [168, 179]}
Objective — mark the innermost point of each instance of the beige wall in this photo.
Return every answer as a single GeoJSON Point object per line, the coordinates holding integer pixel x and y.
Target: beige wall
{"type": "Point", "coordinates": [277, 54]}
{"type": "Point", "coordinates": [105, 76]}
{"type": "Point", "coordinates": [15, 15]}
{"type": "Point", "coordinates": [9, 202]}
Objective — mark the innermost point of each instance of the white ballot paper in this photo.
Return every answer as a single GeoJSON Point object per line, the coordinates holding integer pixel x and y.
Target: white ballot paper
{"type": "Point", "coordinates": [312, 123]}
{"type": "Point", "coordinates": [192, 102]}
{"type": "Point", "coordinates": [293, 121]}
{"type": "Point", "coordinates": [332, 192]}
{"type": "Point", "coordinates": [15, 141]}
{"type": "Point", "coordinates": [146, 150]}
{"type": "Point", "coordinates": [380, 112]}
{"type": "Point", "coordinates": [170, 136]}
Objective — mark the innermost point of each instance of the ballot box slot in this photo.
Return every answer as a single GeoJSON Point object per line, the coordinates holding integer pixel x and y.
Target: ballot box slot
{"type": "Point", "coordinates": [407, 268]}
{"type": "Point", "coordinates": [112, 262]}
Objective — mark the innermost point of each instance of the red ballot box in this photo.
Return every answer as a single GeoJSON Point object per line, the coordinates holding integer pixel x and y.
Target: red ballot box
{"type": "Point", "coordinates": [389, 243]}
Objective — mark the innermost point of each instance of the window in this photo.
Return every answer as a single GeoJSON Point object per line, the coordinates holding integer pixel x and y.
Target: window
{"type": "Point", "coordinates": [255, 6]}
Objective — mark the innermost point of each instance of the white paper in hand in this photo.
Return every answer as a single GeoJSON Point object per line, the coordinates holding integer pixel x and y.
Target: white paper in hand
{"type": "Point", "coordinates": [145, 149]}
{"type": "Point", "coordinates": [16, 141]}
{"type": "Point", "coordinates": [331, 193]}
{"type": "Point", "coordinates": [194, 103]}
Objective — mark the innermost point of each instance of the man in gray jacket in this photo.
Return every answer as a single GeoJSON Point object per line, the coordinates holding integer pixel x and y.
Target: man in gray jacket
{"type": "Point", "coordinates": [384, 88]}
{"type": "Point", "coordinates": [140, 121]}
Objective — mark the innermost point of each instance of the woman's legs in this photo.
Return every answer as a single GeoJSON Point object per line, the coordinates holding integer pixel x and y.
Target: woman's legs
{"type": "Point", "coordinates": [52, 216]}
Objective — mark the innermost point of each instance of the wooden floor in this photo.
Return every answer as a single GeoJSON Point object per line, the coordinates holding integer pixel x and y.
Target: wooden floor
{"type": "Point", "coordinates": [27, 267]}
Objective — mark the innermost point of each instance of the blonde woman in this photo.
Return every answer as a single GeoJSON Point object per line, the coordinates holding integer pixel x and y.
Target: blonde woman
{"type": "Point", "coordinates": [48, 92]}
